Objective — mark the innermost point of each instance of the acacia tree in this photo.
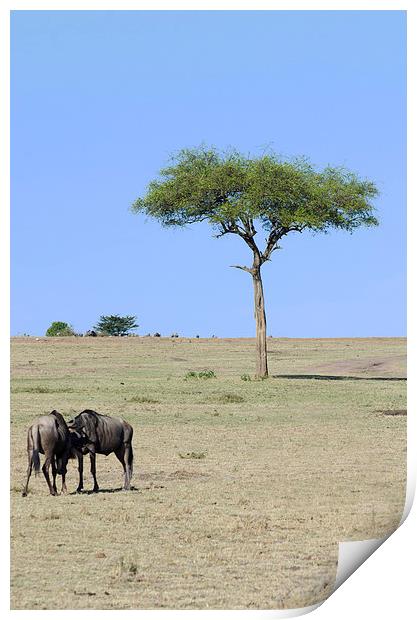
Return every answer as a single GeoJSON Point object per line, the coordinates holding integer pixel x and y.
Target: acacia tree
{"type": "Point", "coordinates": [240, 195]}
{"type": "Point", "coordinates": [115, 325]}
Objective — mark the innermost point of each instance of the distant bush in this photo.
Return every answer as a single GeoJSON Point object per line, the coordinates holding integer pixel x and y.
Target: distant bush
{"type": "Point", "coordinates": [197, 336]}
{"type": "Point", "coordinates": [157, 335]}
{"type": "Point", "coordinates": [174, 335]}
{"type": "Point", "coordinates": [203, 374]}
{"type": "Point", "coordinates": [191, 375]}
{"type": "Point", "coordinates": [59, 328]}
{"type": "Point", "coordinates": [245, 377]}
{"type": "Point", "coordinates": [206, 374]}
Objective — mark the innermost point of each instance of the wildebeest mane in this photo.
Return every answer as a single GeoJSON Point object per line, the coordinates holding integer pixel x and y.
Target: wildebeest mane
{"type": "Point", "coordinates": [61, 425]}
{"type": "Point", "coordinates": [90, 422]}
{"type": "Point", "coordinates": [94, 413]}
{"type": "Point", "coordinates": [59, 417]}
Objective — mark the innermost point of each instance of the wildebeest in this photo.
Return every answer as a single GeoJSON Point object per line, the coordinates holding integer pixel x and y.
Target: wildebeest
{"type": "Point", "coordinates": [103, 434]}
{"type": "Point", "coordinates": [49, 435]}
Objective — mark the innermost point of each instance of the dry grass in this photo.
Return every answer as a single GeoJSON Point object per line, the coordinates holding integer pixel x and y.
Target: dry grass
{"type": "Point", "coordinates": [291, 466]}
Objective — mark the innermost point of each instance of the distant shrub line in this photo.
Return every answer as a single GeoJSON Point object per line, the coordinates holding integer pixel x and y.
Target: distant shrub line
{"type": "Point", "coordinates": [111, 325]}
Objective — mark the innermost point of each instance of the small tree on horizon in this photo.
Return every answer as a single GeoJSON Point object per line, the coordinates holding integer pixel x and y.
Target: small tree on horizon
{"type": "Point", "coordinates": [115, 325]}
{"type": "Point", "coordinates": [241, 195]}
{"type": "Point", "coordinates": [59, 328]}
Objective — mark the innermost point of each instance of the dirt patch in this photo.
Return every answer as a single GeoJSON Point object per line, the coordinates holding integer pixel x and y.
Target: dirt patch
{"type": "Point", "coordinates": [183, 474]}
{"type": "Point", "coordinates": [386, 367]}
{"type": "Point", "coordinates": [155, 475]}
{"type": "Point", "coordinates": [179, 474]}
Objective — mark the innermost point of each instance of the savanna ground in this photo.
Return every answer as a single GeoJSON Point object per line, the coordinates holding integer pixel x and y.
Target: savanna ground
{"type": "Point", "coordinates": [242, 488]}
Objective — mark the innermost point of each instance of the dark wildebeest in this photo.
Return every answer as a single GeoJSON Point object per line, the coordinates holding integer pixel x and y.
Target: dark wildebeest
{"type": "Point", "coordinates": [103, 434]}
{"type": "Point", "coordinates": [49, 435]}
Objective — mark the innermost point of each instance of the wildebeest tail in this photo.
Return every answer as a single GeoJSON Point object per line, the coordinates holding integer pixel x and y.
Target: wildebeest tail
{"type": "Point", "coordinates": [130, 460]}
{"type": "Point", "coordinates": [35, 450]}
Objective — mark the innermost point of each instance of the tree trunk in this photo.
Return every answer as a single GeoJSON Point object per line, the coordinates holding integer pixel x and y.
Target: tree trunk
{"type": "Point", "coordinates": [260, 317]}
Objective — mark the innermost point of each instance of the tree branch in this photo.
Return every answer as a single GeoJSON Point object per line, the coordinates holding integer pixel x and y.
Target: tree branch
{"type": "Point", "coordinates": [231, 227]}
{"type": "Point", "coordinates": [249, 228]}
{"type": "Point", "coordinates": [222, 233]}
{"type": "Point", "coordinates": [248, 269]}
{"type": "Point", "coordinates": [247, 233]}
{"type": "Point", "coordinates": [274, 236]}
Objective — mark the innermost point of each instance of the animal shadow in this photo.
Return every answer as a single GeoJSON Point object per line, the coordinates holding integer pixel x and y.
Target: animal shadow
{"type": "Point", "coordinates": [339, 378]}
{"type": "Point", "coordinates": [116, 490]}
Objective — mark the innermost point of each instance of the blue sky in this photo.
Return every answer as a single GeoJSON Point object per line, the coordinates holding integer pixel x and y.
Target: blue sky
{"type": "Point", "coordinates": [99, 101]}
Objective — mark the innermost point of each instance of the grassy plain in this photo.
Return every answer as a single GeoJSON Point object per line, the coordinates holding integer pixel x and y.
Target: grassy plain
{"type": "Point", "coordinates": [243, 488]}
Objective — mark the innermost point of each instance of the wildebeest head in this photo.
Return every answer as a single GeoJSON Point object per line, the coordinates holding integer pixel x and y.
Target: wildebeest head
{"type": "Point", "coordinates": [78, 442]}
{"type": "Point", "coordinates": [85, 424]}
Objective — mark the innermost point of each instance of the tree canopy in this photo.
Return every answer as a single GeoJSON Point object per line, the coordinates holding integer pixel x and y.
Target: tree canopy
{"type": "Point", "coordinates": [115, 325]}
{"type": "Point", "coordinates": [59, 328]}
{"type": "Point", "coordinates": [237, 194]}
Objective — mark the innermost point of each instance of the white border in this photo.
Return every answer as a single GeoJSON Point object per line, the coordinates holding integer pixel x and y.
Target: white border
{"type": "Point", "coordinates": [384, 586]}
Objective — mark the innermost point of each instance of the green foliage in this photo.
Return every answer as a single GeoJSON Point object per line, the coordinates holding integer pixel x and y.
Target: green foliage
{"type": "Point", "coordinates": [59, 328]}
{"type": "Point", "coordinates": [234, 193]}
{"type": "Point", "coordinates": [203, 374]}
{"type": "Point", "coordinates": [191, 375]}
{"type": "Point", "coordinates": [115, 325]}
{"type": "Point", "coordinates": [206, 374]}
{"type": "Point", "coordinates": [245, 377]}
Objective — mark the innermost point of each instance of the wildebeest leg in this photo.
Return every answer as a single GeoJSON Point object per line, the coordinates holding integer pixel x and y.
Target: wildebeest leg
{"type": "Point", "coordinates": [64, 485]}
{"type": "Point", "coordinates": [80, 471]}
{"type": "Point", "coordinates": [125, 456]}
{"type": "Point", "coordinates": [25, 489]}
{"type": "Point", "coordinates": [45, 470]}
{"type": "Point", "coordinates": [129, 464]}
{"type": "Point", "coordinates": [54, 476]}
{"type": "Point", "coordinates": [120, 453]}
{"type": "Point", "coordinates": [93, 470]}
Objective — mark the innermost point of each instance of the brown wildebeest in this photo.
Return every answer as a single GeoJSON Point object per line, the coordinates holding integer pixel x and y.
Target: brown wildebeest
{"type": "Point", "coordinates": [49, 435]}
{"type": "Point", "coordinates": [103, 434]}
